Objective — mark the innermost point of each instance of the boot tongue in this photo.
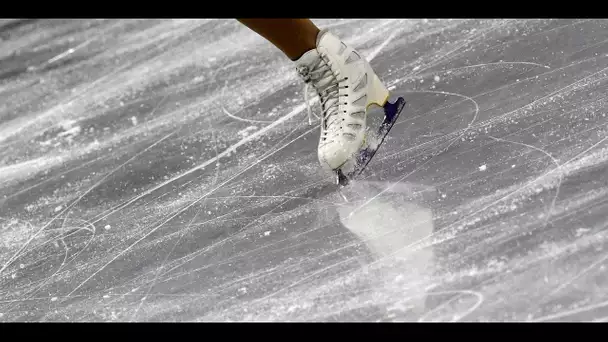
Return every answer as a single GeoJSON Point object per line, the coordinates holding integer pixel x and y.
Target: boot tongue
{"type": "Point", "coordinates": [305, 65]}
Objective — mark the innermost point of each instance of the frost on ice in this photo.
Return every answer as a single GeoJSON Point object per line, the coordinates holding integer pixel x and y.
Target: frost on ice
{"type": "Point", "coordinates": [483, 167]}
{"type": "Point", "coordinates": [246, 131]}
{"type": "Point", "coordinates": [70, 129]}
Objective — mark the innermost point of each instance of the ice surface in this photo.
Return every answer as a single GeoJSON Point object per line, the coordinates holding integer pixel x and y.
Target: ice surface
{"type": "Point", "coordinates": [164, 170]}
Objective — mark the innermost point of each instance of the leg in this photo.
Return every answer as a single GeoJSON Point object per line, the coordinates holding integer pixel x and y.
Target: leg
{"type": "Point", "coordinates": [292, 36]}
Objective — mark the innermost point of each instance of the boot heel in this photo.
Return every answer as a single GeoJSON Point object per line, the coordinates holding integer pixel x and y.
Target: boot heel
{"type": "Point", "coordinates": [378, 93]}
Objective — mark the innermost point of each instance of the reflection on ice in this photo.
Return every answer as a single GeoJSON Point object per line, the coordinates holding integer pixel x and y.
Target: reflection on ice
{"type": "Point", "coordinates": [390, 225]}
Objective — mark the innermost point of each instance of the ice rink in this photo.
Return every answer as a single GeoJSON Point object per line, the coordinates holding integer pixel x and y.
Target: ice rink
{"type": "Point", "coordinates": [164, 170]}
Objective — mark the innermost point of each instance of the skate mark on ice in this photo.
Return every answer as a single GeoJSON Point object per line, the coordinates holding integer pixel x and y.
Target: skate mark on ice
{"type": "Point", "coordinates": [44, 281]}
{"type": "Point", "coordinates": [162, 266]}
{"type": "Point", "coordinates": [121, 206]}
{"type": "Point", "coordinates": [548, 97]}
{"type": "Point", "coordinates": [226, 152]}
{"type": "Point", "coordinates": [439, 58]}
{"type": "Point", "coordinates": [393, 306]}
{"type": "Point", "coordinates": [557, 165]}
{"type": "Point", "coordinates": [182, 231]}
{"type": "Point", "coordinates": [536, 34]}
{"type": "Point", "coordinates": [228, 286]}
{"type": "Point", "coordinates": [451, 229]}
{"type": "Point", "coordinates": [504, 115]}
{"type": "Point", "coordinates": [502, 88]}
{"type": "Point", "coordinates": [496, 63]}
{"type": "Point", "coordinates": [567, 313]}
{"type": "Point", "coordinates": [302, 280]}
{"type": "Point", "coordinates": [224, 261]}
{"type": "Point", "coordinates": [508, 85]}
{"type": "Point", "coordinates": [377, 50]}
{"type": "Point", "coordinates": [237, 256]}
{"type": "Point", "coordinates": [244, 254]}
{"type": "Point", "coordinates": [187, 206]}
{"type": "Point", "coordinates": [282, 197]}
{"type": "Point", "coordinates": [110, 173]}
{"type": "Point", "coordinates": [578, 275]}
{"type": "Point", "coordinates": [461, 180]}
{"type": "Point", "coordinates": [80, 197]}
{"type": "Point", "coordinates": [69, 51]}
{"type": "Point", "coordinates": [459, 293]}
{"type": "Point", "coordinates": [268, 200]}
{"type": "Point", "coordinates": [359, 241]}
{"type": "Point", "coordinates": [227, 261]}
{"type": "Point", "coordinates": [515, 133]}
{"type": "Point", "coordinates": [42, 299]}
{"type": "Point", "coordinates": [480, 298]}
{"type": "Point", "coordinates": [265, 214]}
{"type": "Point", "coordinates": [61, 158]}
{"type": "Point", "coordinates": [452, 94]}
{"type": "Point", "coordinates": [65, 260]}
{"type": "Point", "coordinates": [589, 47]}
{"type": "Point", "coordinates": [469, 40]}
{"type": "Point", "coordinates": [191, 256]}
{"type": "Point", "coordinates": [225, 111]}
{"type": "Point", "coordinates": [187, 258]}
{"type": "Point", "coordinates": [264, 155]}
{"type": "Point", "coordinates": [240, 255]}
{"type": "Point", "coordinates": [106, 30]}
{"type": "Point", "coordinates": [55, 177]}
{"type": "Point", "coordinates": [459, 132]}
{"type": "Point", "coordinates": [349, 245]}
{"type": "Point", "coordinates": [72, 98]}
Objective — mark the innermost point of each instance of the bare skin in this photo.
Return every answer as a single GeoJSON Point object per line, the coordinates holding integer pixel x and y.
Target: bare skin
{"type": "Point", "coordinates": [292, 36]}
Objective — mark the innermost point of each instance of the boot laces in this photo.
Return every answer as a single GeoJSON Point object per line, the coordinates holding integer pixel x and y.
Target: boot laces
{"type": "Point", "coordinates": [325, 81]}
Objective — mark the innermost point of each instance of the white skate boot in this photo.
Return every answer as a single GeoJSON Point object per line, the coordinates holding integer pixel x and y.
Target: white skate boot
{"type": "Point", "coordinates": [347, 86]}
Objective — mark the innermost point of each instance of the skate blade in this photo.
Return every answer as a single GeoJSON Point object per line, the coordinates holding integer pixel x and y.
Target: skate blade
{"type": "Point", "coordinates": [391, 114]}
